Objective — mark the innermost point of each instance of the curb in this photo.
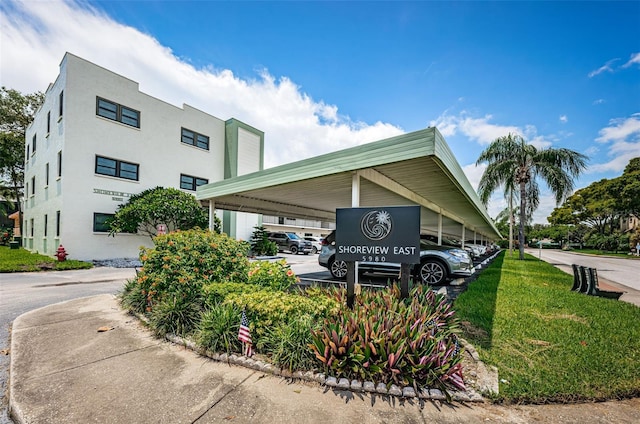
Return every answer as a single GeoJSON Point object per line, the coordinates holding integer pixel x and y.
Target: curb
{"type": "Point", "coordinates": [405, 392]}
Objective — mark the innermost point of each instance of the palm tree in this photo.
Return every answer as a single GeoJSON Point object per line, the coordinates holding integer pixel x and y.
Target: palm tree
{"type": "Point", "coordinates": [514, 164]}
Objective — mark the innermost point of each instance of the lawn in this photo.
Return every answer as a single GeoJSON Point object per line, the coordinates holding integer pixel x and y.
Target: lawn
{"type": "Point", "coordinates": [550, 344]}
{"type": "Point", "coordinates": [21, 260]}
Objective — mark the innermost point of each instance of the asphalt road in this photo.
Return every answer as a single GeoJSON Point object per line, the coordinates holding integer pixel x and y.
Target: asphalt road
{"type": "Point", "coordinates": [624, 271]}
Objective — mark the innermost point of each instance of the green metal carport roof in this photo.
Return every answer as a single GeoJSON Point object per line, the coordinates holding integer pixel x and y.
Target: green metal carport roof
{"type": "Point", "coordinates": [417, 168]}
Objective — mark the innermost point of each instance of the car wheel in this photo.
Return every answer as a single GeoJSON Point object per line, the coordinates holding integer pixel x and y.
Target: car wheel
{"type": "Point", "coordinates": [294, 250]}
{"type": "Point", "coordinates": [314, 250]}
{"type": "Point", "coordinates": [431, 272]}
{"type": "Point", "coordinates": [338, 269]}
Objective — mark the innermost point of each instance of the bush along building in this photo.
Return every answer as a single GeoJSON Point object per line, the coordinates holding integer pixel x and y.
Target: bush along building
{"type": "Point", "coordinates": [97, 140]}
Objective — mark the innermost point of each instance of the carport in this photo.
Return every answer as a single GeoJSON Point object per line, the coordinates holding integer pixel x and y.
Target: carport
{"type": "Point", "coordinates": [416, 168]}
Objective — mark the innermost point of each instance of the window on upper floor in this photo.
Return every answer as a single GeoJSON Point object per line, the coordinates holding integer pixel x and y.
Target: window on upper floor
{"type": "Point", "coordinates": [33, 142]}
{"type": "Point", "coordinates": [195, 139]}
{"type": "Point", "coordinates": [117, 168]}
{"type": "Point", "coordinates": [117, 112]}
{"type": "Point", "coordinates": [28, 151]}
{"type": "Point", "coordinates": [101, 222]}
{"type": "Point", "coordinates": [60, 163]}
{"type": "Point", "coordinates": [31, 227]}
{"type": "Point", "coordinates": [33, 186]}
{"type": "Point", "coordinates": [48, 122]}
{"type": "Point", "coordinates": [188, 182]}
{"type": "Point", "coordinates": [46, 174]}
{"type": "Point", "coordinates": [60, 104]}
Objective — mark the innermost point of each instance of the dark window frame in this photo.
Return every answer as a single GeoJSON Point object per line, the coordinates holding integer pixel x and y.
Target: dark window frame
{"type": "Point", "coordinates": [34, 140]}
{"type": "Point", "coordinates": [46, 221]}
{"type": "Point", "coordinates": [33, 185]}
{"type": "Point", "coordinates": [189, 182]}
{"type": "Point", "coordinates": [119, 113]}
{"type": "Point", "coordinates": [59, 163]}
{"type": "Point", "coordinates": [46, 175]}
{"type": "Point", "coordinates": [100, 227]}
{"type": "Point", "coordinates": [118, 168]}
{"type": "Point", "coordinates": [61, 104]}
{"type": "Point", "coordinates": [196, 139]}
{"type": "Point", "coordinates": [48, 122]}
{"type": "Point", "coordinates": [57, 223]}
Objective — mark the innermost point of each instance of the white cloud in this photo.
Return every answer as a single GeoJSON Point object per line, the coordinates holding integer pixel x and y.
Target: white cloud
{"type": "Point", "coordinates": [623, 139]}
{"type": "Point", "coordinates": [598, 102]}
{"type": "Point", "coordinates": [477, 129]}
{"type": "Point", "coordinates": [564, 119]}
{"type": "Point", "coordinates": [36, 35]}
{"type": "Point", "coordinates": [634, 59]}
{"type": "Point", "coordinates": [604, 68]}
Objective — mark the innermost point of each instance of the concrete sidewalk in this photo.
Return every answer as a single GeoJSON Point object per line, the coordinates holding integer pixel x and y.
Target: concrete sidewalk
{"type": "Point", "coordinates": [64, 371]}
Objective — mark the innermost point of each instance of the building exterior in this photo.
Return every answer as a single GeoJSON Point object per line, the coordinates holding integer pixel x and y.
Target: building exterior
{"type": "Point", "coordinates": [97, 140]}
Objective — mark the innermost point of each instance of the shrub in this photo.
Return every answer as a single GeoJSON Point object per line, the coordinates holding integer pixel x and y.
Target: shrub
{"type": "Point", "coordinates": [287, 344]}
{"type": "Point", "coordinates": [266, 308]}
{"type": "Point", "coordinates": [182, 262]}
{"type": "Point", "coordinates": [384, 338]}
{"type": "Point", "coordinates": [276, 275]}
{"type": "Point", "coordinates": [175, 314]}
{"type": "Point", "coordinates": [218, 329]}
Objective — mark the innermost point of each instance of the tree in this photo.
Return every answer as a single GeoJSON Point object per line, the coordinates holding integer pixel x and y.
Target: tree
{"type": "Point", "coordinates": [260, 243]}
{"type": "Point", "coordinates": [16, 114]}
{"type": "Point", "coordinates": [169, 206]}
{"type": "Point", "coordinates": [511, 162]}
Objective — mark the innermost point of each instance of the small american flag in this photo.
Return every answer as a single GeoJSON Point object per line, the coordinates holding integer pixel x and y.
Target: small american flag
{"type": "Point", "coordinates": [244, 335]}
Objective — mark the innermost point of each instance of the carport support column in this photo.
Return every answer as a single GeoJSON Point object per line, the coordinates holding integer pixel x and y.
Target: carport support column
{"type": "Point", "coordinates": [463, 235]}
{"type": "Point", "coordinates": [352, 267]}
{"type": "Point", "coordinates": [440, 228]}
{"type": "Point", "coordinates": [212, 215]}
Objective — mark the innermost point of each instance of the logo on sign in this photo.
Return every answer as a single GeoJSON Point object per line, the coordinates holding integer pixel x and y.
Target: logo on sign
{"type": "Point", "coordinates": [376, 225]}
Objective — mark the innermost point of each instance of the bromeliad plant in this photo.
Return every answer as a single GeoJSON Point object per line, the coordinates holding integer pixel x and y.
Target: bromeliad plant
{"type": "Point", "coordinates": [386, 339]}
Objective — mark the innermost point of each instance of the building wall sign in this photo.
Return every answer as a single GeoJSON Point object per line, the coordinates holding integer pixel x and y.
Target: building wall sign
{"type": "Point", "coordinates": [117, 196]}
{"type": "Point", "coordinates": [383, 234]}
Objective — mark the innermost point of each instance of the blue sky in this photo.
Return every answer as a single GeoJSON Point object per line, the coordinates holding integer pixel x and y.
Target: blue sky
{"type": "Point", "coordinates": [322, 76]}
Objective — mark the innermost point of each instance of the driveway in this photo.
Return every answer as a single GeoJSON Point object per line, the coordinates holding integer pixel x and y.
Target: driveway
{"type": "Point", "coordinates": [621, 273]}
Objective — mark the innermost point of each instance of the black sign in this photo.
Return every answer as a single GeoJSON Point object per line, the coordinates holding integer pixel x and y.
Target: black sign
{"type": "Point", "coordinates": [383, 234]}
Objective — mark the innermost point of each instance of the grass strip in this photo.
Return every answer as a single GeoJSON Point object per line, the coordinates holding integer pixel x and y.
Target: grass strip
{"type": "Point", "coordinates": [550, 344]}
{"type": "Point", "coordinates": [21, 260]}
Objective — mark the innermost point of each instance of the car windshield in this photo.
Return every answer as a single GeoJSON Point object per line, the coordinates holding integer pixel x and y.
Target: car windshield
{"type": "Point", "coordinates": [294, 236]}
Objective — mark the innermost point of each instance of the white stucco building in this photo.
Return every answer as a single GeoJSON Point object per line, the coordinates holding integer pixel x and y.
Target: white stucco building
{"type": "Point", "coordinates": [97, 140]}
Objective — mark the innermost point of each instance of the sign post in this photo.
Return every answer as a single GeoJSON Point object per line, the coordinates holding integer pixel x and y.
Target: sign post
{"type": "Point", "coordinates": [382, 234]}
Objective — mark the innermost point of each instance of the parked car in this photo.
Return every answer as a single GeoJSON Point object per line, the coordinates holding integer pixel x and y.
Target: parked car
{"type": "Point", "coordinates": [316, 243]}
{"type": "Point", "coordinates": [290, 242]}
{"type": "Point", "coordinates": [438, 264]}
{"type": "Point", "coordinates": [474, 252]}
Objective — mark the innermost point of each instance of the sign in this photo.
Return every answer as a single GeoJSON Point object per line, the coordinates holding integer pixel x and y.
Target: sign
{"type": "Point", "coordinates": [162, 229]}
{"type": "Point", "coordinates": [383, 234]}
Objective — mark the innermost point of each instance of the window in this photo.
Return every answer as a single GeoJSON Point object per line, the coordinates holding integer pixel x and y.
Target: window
{"type": "Point", "coordinates": [33, 185]}
{"type": "Point", "coordinates": [48, 122]}
{"type": "Point", "coordinates": [31, 227]}
{"type": "Point", "coordinates": [101, 222]}
{"type": "Point", "coordinates": [57, 223]}
{"type": "Point", "coordinates": [45, 224]}
{"type": "Point", "coordinates": [60, 106]}
{"type": "Point", "coordinates": [116, 168]}
{"type": "Point", "coordinates": [115, 112]}
{"type": "Point", "coordinates": [188, 182]}
{"type": "Point", "coordinates": [28, 151]}
{"type": "Point", "coordinates": [46, 174]}
{"type": "Point", "coordinates": [195, 139]}
{"type": "Point", "coordinates": [60, 163]}
{"type": "Point", "coordinates": [34, 143]}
